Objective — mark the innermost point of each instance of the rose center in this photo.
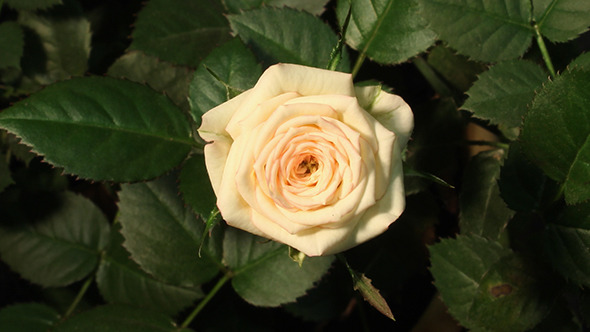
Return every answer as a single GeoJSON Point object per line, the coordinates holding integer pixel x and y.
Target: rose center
{"type": "Point", "coordinates": [307, 166]}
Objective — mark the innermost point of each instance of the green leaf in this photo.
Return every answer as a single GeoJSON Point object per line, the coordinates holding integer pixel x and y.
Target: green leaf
{"type": "Point", "coordinates": [483, 212]}
{"type": "Point", "coordinates": [458, 267]}
{"type": "Point", "coordinates": [229, 67]}
{"type": "Point", "coordinates": [163, 235]}
{"type": "Point", "coordinates": [59, 249]}
{"type": "Point", "coordinates": [159, 75]}
{"type": "Point", "coordinates": [179, 31]}
{"type": "Point", "coordinates": [32, 4]}
{"type": "Point", "coordinates": [390, 31]}
{"type": "Point", "coordinates": [371, 294]}
{"type": "Point", "coordinates": [264, 274]}
{"type": "Point", "coordinates": [582, 62]}
{"type": "Point", "coordinates": [488, 31]}
{"type": "Point", "coordinates": [30, 317]}
{"type": "Point", "coordinates": [65, 41]}
{"type": "Point", "coordinates": [501, 94]}
{"type": "Point", "coordinates": [561, 20]}
{"type": "Point", "coordinates": [561, 110]}
{"type": "Point", "coordinates": [458, 70]}
{"type": "Point", "coordinates": [120, 280]}
{"type": "Point", "coordinates": [195, 186]}
{"type": "Point", "coordinates": [316, 7]}
{"type": "Point", "coordinates": [119, 318]}
{"type": "Point", "coordinates": [5, 177]}
{"type": "Point", "coordinates": [510, 294]}
{"type": "Point", "coordinates": [102, 128]}
{"type": "Point", "coordinates": [12, 42]}
{"type": "Point", "coordinates": [287, 35]}
{"type": "Point", "coordinates": [522, 184]}
{"type": "Point", "coordinates": [567, 244]}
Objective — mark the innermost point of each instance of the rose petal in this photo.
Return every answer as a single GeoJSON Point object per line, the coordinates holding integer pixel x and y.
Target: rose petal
{"type": "Point", "coordinates": [284, 78]}
{"type": "Point", "coordinates": [215, 120]}
{"type": "Point", "coordinates": [389, 109]}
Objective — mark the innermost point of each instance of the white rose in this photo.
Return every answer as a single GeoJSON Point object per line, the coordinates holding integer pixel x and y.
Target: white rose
{"type": "Point", "coordinates": [307, 159]}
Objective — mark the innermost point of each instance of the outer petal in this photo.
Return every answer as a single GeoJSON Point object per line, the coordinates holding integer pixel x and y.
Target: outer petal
{"type": "Point", "coordinates": [389, 109]}
{"type": "Point", "coordinates": [234, 210]}
{"type": "Point", "coordinates": [215, 120]}
{"type": "Point", "coordinates": [283, 78]}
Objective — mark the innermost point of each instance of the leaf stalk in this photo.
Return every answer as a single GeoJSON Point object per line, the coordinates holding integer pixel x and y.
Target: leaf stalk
{"type": "Point", "coordinates": [224, 279]}
{"type": "Point", "coordinates": [544, 51]}
{"type": "Point", "coordinates": [79, 297]}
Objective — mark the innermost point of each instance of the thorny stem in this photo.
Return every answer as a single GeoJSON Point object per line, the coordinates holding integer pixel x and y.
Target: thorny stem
{"type": "Point", "coordinates": [226, 277]}
{"type": "Point", "coordinates": [79, 297]}
{"type": "Point", "coordinates": [544, 51]}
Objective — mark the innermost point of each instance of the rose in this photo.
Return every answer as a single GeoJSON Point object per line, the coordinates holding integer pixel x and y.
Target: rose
{"type": "Point", "coordinates": [307, 159]}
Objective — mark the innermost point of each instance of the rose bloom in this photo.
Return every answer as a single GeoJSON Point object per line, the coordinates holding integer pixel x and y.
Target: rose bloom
{"type": "Point", "coordinates": [308, 159]}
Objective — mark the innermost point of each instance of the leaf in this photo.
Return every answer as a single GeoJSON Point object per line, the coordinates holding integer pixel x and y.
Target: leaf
{"type": "Point", "coordinates": [458, 70]}
{"type": "Point", "coordinates": [561, 20]}
{"type": "Point", "coordinates": [163, 235]}
{"type": "Point", "coordinates": [65, 38]}
{"type": "Point", "coordinates": [159, 75]}
{"type": "Point", "coordinates": [120, 280]}
{"type": "Point", "coordinates": [582, 62]}
{"type": "Point", "coordinates": [316, 7]}
{"type": "Point", "coordinates": [102, 128]}
{"type": "Point", "coordinates": [509, 293]}
{"type": "Point", "coordinates": [501, 94]}
{"type": "Point", "coordinates": [389, 32]}
{"type": "Point", "coordinates": [483, 212]}
{"type": "Point", "coordinates": [12, 42]}
{"type": "Point", "coordinates": [522, 184]}
{"type": "Point", "coordinates": [287, 35]}
{"type": "Point", "coordinates": [119, 318]}
{"type": "Point", "coordinates": [230, 66]}
{"type": "Point", "coordinates": [198, 193]}
{"type": "Point", "coordinates": [32, 4]}
{"type": "Point", "coordinates": [371, 294]}
{"type": "Point", "coordinates": [567, 244]}
{"type": "Point", "coordinates": [59, 249]}
{"type": "Point", "coordinates": [195, 186]}
{"type": "Point", "coordinates": [29, 317]}
{"type": "Point", "coordinates": [561, 109]}
{"type": "Point", "coordinates": [264, 274]}
{"type": "Point", "coordinates": [487, 31]}
{"type": "Point", "coordinates": [458, 267]}
{"type": "Point", "coordinates": [179, 31]}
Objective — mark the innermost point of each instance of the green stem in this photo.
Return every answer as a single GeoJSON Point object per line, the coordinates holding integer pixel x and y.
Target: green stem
{"type": "Point", "coordinates": [203, 303]}
{"type": "Point", "coordinates": [437, 84]}
{"type": "Point", "coordinates": [489, 143]}
{"type": "Point", "coordinates": [358, 64]}
{"type": "Point", "coordinates": [1, 5]}
{"type": "Point", "coordinates": [79, 297]}
{"type": "Point", "coordinates": [544, 51]}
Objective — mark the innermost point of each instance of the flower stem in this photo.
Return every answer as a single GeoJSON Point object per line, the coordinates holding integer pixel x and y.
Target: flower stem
{"type": "Point", "coordinates": [226, 277]}
{"type": "Point", "coordinates": [435, 82]}
{"type": "Point", "coordinates": [79, 297]}
{"type": "Point", "coordinates": [358, 64]}
{"type": "Point", "coordinates": [544, 51]}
